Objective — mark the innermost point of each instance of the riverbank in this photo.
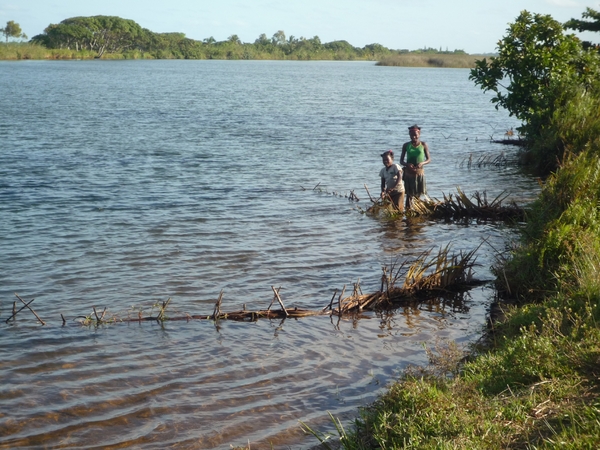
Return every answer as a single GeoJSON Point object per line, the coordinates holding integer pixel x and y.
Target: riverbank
{"type": "Point", "coordinates": [534, 381]}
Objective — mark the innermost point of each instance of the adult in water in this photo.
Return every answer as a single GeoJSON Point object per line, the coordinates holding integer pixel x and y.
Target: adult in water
{"type": "Point", "coordinates": [415, 155]}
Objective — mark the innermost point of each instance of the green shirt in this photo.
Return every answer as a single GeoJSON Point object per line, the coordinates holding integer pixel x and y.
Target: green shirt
{"type": "Point", "coordinates": [415, 155]}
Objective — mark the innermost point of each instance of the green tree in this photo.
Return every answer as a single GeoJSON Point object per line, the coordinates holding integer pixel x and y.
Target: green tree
{"type": "Point", "coordinates": [100, 34]}
{"type": "Point", "coordinates": [12, 30]}
{"type": "Point", "coordinates": [536, 62]}
{"type": "Point", "coordinates": [234, 39]}
{"type": "Point", "coordinates": [262, 41]}
{"type": "Point", "coordinates": [585, 25]}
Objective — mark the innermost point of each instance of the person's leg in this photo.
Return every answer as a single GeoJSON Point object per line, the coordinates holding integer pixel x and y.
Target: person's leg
{"type": "Point", "coordinates": [399, 201]}
{"type": "Point", "coordinates": [408, 201]}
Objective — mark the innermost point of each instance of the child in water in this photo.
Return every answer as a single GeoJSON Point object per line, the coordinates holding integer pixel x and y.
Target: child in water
{"type": "Point", "coordinates": [392, 185]}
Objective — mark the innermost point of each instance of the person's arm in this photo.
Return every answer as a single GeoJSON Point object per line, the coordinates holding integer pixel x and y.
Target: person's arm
{"type": "Point", "coordinates": [427, 157]}
{"type": "Point", "coordinates": [382, 186]}
{"type": "Point", "coordinates": [403, 156]}
{"type": "Point", "coordinates": [403, 162]}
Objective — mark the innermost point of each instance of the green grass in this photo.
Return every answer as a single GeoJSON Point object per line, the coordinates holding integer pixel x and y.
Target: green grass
{"type": "Point", "coordinates": [22, 50]}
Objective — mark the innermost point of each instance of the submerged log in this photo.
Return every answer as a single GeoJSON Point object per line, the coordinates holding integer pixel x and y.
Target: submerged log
{"type": "Point", "coordinates": [425, 278]}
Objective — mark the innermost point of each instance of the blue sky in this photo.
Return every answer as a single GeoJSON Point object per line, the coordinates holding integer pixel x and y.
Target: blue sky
{"type": "Point", "coordinates": [471, 25]}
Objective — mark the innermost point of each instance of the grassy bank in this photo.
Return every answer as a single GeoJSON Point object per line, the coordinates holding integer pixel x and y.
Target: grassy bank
{"type": "Point", "coordinates": [535, 382]}
{"type": "Point", "coordinates": [21, 50]}
{"type": "Point", "coordinates": [430, 60]}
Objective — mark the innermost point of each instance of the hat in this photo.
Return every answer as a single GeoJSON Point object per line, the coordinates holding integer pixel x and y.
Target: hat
{"type": "Point", "coordinates": [387, 152]}
{"type": "Point", "coordinates": [414, 127]}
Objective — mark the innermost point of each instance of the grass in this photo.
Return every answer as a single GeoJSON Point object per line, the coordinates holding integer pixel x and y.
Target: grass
{"type": "Point", "coordinates": [23, 50]}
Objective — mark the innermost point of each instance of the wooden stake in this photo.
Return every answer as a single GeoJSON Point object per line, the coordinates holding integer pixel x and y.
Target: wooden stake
{"type": "Point", "coordinates": [162, 310]}
{"type": "Point", "coordinates": [279, 300]}
{"type": "Point", "coordinates": [330, 306]}
{"type": "Point", "coordinates": [274, 297]}
{"type": "Point", "coordinates": [17, 312]}
{"type": "Point", "coordinates": [340, 301]}
{"type": "Point", "coordinates": [34, 313]}
{"type": "Point", "coordinates": [217, 310]}
{"type": "Point", "coordinates": [369, 194]}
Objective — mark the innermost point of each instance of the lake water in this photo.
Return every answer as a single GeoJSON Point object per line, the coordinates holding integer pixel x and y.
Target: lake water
{"type": "Point", "coordinates": [125, 183]}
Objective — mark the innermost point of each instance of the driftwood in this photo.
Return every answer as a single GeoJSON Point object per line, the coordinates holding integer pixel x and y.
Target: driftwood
{"type": "Point", "coordinates": [15, 312]}
{"type": "Point", "coordinates": [425, 278]}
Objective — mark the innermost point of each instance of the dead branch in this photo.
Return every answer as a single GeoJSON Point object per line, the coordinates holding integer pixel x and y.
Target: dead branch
{"type": "Point", "coordinates": [15, 312]}
{"type": "Point", "coordinates": [30, 309]}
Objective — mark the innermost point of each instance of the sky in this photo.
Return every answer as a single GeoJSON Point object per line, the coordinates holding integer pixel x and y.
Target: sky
{"type": "Point", "coordinates": [474, 26]}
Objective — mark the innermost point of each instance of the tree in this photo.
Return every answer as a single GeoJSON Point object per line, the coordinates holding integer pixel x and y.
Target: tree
{"type": "Point", "coordinates": [536, 62]}
{"type": "Point", "coordinates": [278, 38]}
{"type": "Point", "coordinates": [97, 33]}
{"type": "Point", "coordinates": [262, 40]}
{"type": "Point", "coordinates": [234, 39]}
{"type": "Point", "coordinates": [12, 30]}
{"type": "Point", "coordinates": [586, 25]}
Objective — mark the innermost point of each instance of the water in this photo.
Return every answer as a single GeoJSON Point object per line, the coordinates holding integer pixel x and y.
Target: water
{"type": "Point", "coordinates": [125, 183]}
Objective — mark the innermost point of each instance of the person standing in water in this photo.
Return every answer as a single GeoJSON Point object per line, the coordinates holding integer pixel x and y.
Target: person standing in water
{"type": "Point", "coordinates": [415, 155]}
{"type": "Point", "coordinates": [391, 180]}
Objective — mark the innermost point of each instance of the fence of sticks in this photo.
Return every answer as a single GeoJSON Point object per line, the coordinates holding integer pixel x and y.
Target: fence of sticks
{"type": "Point", "coordinates": [426, 277]}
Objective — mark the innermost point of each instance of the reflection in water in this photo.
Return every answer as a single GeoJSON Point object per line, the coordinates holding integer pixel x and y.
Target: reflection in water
{"type": "Point", "coordinates": [449, 304]}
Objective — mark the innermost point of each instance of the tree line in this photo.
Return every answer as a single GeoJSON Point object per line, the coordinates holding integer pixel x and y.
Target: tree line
{"type": "Point", "coordinates": [105, 35]}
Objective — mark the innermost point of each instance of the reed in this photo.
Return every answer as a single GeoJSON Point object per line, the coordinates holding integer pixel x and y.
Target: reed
{"type": "Point", "coordinates": [457, 61]}
{"type": "Point", "coordinates": [23, 50]}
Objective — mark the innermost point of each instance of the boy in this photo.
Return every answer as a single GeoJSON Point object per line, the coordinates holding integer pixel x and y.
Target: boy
{"type": "Point", "coordinates": [391, 181]}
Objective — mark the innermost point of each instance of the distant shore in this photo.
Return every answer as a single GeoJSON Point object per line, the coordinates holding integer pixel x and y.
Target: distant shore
{"type": "Point", "coordinates": [29, 51]}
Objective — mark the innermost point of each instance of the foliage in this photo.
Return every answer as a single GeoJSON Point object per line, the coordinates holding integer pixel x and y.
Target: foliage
{"type": "Point", "coordinates": [97, 33]}
{"type": "Point", "coordinates": [536, 67]}
{"type": "Point", "coordinates": [12, 30]}
{"type": "Point", "coordinates": [113, 37]}
{"type": "Point", "coordinates": [586, 25]}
